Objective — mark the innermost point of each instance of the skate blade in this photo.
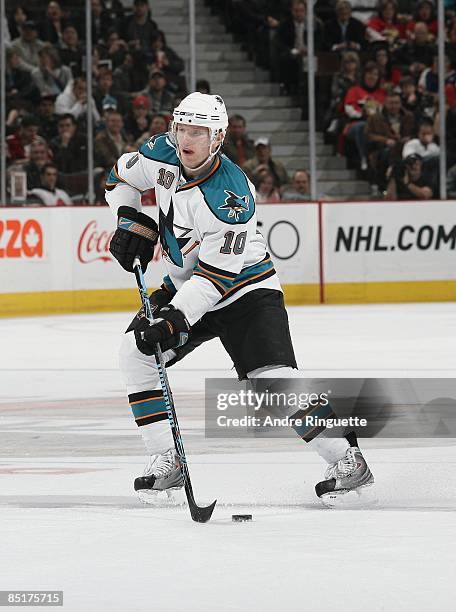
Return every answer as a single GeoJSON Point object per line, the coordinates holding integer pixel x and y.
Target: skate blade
{"type": "Point", "coordinates": [162, 499]}
{"type": "Point", "coordinates": [362, 497]}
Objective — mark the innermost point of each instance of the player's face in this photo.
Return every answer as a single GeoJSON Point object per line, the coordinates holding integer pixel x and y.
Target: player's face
{"type": "Point", "coordinates": [193, 143]}
{"type": "Point", "coordinates": [50, 178]}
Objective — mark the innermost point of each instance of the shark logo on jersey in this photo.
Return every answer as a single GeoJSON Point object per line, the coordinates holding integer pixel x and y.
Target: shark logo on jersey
{"type": "Point", "coordinates": [169, 242]}
{"type": "Point", "coordinates": [236, 205]}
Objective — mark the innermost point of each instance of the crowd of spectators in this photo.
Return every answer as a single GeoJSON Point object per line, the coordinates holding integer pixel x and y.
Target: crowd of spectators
{"type": "Point", "coordinates": [377, 79]}
{"type": "Point", "coordinates": [137, 79]}
{"type": "Point", "coordinates": [377, 86]}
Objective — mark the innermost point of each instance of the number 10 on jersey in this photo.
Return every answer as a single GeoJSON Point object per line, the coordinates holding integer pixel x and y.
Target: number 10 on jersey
{"type": "Point", "coordinates": [238, 246]}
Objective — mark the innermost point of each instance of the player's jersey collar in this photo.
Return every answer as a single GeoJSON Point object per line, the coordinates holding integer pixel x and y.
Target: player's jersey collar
{"type": "Point", "coordinates": [204, 177]}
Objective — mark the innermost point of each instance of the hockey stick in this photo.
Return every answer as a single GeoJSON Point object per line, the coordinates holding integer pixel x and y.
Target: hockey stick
{"type": "Point", "coordinates": [198, 514]}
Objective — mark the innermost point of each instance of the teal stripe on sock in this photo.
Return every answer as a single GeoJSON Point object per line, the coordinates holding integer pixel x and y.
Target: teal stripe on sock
{"type": "Point", "coordinates": [323, 412]}
{"type": "Point", "coordinates": [148, 407]}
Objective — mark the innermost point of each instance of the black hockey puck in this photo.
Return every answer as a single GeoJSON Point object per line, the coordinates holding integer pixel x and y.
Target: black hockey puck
{"type": "Point", "coordinates": [241, 518]}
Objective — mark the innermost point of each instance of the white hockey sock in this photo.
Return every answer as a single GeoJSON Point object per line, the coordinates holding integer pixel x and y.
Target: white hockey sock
{"type": "Point", "coordinates": [331, 449]}
{"type": "Point", "coordinates": [145, 395]}
{"type": "Point", "coordinates": [157, 437]}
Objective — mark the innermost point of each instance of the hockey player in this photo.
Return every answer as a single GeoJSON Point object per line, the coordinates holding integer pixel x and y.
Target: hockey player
{"type": "Point", "coordinates": [221, 281]}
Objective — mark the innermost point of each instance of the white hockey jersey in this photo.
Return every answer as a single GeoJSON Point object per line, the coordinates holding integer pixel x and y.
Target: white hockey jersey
{"type": "Point", "coordinates": [212, 250]}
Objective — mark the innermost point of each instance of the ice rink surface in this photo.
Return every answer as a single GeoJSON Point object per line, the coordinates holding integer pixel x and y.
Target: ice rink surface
{"type": "Point", "coordinates": [70, 450]}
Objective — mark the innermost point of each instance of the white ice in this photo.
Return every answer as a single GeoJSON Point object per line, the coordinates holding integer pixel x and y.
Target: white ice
{"type": "Point", "coordinates": [70, 521]}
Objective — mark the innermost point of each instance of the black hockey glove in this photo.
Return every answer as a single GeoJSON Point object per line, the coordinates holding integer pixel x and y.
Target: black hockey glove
{"type": "Point", "coordinates": [136, 236]}
{"type": "Point", "coordinates": [170, 329]}
{"type": "Point", "coordinates": [159, 298]}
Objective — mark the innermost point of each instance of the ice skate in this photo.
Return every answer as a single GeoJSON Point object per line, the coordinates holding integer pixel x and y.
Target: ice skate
{"type": "Point", "coordinates": [162, 478]}
{"type": "Point", "coordinates": [347, 482]}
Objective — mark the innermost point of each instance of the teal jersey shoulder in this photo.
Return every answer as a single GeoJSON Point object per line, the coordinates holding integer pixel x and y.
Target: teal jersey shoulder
{"type": "Point", "coordinates": [158, 148]}
{"type": "Point", "coordinates": [227, 193]}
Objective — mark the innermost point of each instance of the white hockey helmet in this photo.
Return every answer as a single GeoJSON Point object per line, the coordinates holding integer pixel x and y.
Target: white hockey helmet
{"type": "Point", "coordinates": [203, 110]}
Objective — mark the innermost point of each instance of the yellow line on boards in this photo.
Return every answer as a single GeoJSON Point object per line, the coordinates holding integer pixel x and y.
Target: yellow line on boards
{"type": "Point", "coordinates": [111, 300]}
{"type": "Point", "coordinates": [108, 300]}
{"type": "Point", "coordinates": [60, 302]}
{"type": "Point", "coordinates": [381, 292]}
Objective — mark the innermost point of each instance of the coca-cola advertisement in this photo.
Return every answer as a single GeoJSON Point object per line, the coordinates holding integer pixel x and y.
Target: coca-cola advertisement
{"type": "Point", "coordinates": [94, 267]}
{"type": "Point", "coordinates": [93, 244]}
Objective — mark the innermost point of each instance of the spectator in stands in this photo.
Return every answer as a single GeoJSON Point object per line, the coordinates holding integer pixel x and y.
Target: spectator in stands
{"type": "Point", "coordinates": [139, 27]}
{"type": "Point", "coordinates": [386, 25]}
{"type": "Point", "coordinates": [71, 50]}
{"type": "Point", "coordinates": [418, 53]}
{"type": "Point", "coordinates": [237, 145]}
{"type": "Point", "coordinates": [424, 13]}
{"type": "Point", "coordinates": [28, 45]}
{"type": "Point", "coordinates": [158, 125]}
{"type": "Point", "coordinates": [110, 143]}
{"type": "Point", "coordinates": [343, 32]}
{"type": "Point", "coordinates": [167, 61]}
{"type": "Point", "coordinates": [292, 44]}
{"type": "Point", "coordinates": [348, 75]}
{"type": "Point", "coordinates": [47, 119]}
{"type": "Point", "coordinates": [425, 145]}
{"type": "Point", "coordinates": [263, 161]}
{"type": "Point", "coordinates": [266, 191]}
{"type": "Point", "coordinates": [50, 78]}
{"type": "Point", "coordinates": [161, 101]}
{"type": "Point", "coordinates": [105, 91]}
{"type": "Point", "coordinates": [19, 83]}
{"type": "Point", "coordinates": [203, 86]}
{"type": "Point", "coordinates": [390, 75]}
{"type": "Point", "coordinates": [19, 143]}
{"type": "Point", "coordinates": [411, 97]}
{"type": "Point", "coordinates": [132, 75]}
{"type": "Point", "coordinates": [33, 9]}
{"type": "Point", "coordinates": [73, 100]}
{"type": "Point", "coordinates": [51, 27]}
{"type": "Point", "coordinates": [360, 102]}
{"type": "Point", "coordinates": [16, 20]}
{"type": "Point", "coordinates": [137, 119]}
{"type": "Point", "coordinates": [48, 194]}
{"type": "Point", "coordinates": [299, 190]}
{"type": "Point", "coordinates": [102, 22]}
{"type": "Point", "coordinates": [116, 49]}
{"type": "Point", "coordinates": [69, 148]}
{"type": "Point", "coordinates": [39, 156]}
{"type": "Point", "coordinates": [428, 84]}
{"type": "Point", "coordinates": [386, 132]}
{"type": "Point", "coordinates": [408, 181]}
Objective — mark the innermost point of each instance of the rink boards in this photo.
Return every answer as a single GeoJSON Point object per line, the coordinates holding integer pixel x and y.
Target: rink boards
{"type": "Point", "coordinates": [58, 260]}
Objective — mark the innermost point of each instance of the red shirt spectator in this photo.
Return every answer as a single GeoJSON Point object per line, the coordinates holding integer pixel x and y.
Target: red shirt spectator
{"type": "Point", "coordinates": [19, 143]}
{"type": "Point", "coordinates": [425, 13]}
{"type": "Point", "coordinates": [361, 101]}
{"type": "Point", "coordinates": [386, 23]}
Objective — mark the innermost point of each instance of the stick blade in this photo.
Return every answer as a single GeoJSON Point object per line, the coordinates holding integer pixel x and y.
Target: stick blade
{"type": "Point", "coordinates": [201, 515]}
